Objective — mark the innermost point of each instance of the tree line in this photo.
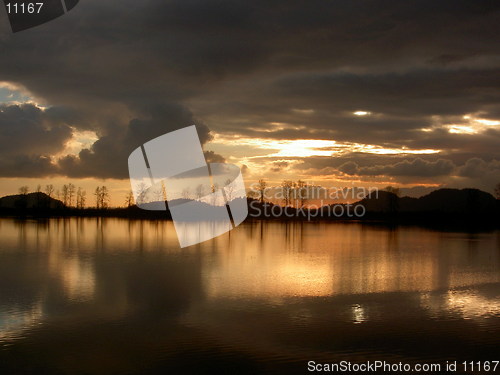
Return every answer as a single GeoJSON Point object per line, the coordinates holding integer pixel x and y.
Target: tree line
{"type": "Point", "coordinates": [70, 195]}
{"type": "Point", "coordinates": [293, 193]}
{"type": "Point", "coordinates": [297, 193]}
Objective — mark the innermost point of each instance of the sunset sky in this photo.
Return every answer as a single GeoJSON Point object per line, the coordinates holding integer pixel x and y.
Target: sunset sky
{"type": "Point", "coordinates": [337, 93]}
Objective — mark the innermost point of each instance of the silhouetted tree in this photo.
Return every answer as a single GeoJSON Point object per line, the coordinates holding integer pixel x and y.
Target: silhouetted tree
{"type": "Point", "coordinates": [213, 189]}
{"type": "Point", "coordinates": [104, 197]}
{"type": "Point", "coordinates": [186, 193]}
{"type": "Point", "coordinates": [65, 194]}
{"type": "Point", "coordinates": [97, 195]}
{"type": "Point", "coordinates": [262, 190]}
{"type": "Point", "coordinates": [101, 197]}
{"type": "Point", "coordinates": [229, 190]}
{"type": "Point", "coordinates": [71, 193]}
{"type": "Point", "coordinates": [142, 189]}
{"type": "Point", "coordinates": [158, 193]}
{"type": "Point", "coordinates": [22, 202]}
{"type": "Point", "coordinates": [163, 191]}
{"type": "Point", "coordinates": [129, 199]}
{"type": "Point", "coordinates": [301, 193]}
{"type": "Point", "coordinates": [287, 188]}
{"type": "Point", "coordinates": [200, 191]}
{"type": "Point", "coordinates": [497, 191]}
{"type": "Point", "coordinates": [49, 190]}
{"type": "Point", "coordinates": [81, 198]}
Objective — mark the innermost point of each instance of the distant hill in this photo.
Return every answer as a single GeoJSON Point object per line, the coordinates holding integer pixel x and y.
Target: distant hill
{"type": "Point", "coordinates": [465, 206]}
{"type": "Point", "coordinates": [31, 201]}
{"type": "Point", "coordinates": [445, 201]}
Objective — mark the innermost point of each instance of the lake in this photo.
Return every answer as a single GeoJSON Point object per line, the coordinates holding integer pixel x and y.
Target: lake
{"type": "Point", "coordinates": [113, 296]}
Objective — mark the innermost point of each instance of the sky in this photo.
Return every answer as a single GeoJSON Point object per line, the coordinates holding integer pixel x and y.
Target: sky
{"type": "Point", "coordinates": [337, 93]}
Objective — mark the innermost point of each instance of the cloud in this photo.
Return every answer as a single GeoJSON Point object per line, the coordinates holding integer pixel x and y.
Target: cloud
{"type": "Point", "coordinates": [130, 71]}
{"type": "Point", "coordinates": [109, 154]}
{"type": "Point", "coordinates": [28, 136]}
{"type": "Point", "coordinates": [28, 129]}
{"type": "Point", "coordinates": [416, 168]}
{"type": "Point", "coordinates": [212, 157]}
{"type": "Point", "coordinates": [478, 168]}
{"type": "Point", "coordinates": [279, 166]}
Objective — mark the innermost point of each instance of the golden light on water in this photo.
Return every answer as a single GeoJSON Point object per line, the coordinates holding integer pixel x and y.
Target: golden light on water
{"type": "Point", "coordinates": [261, 261]}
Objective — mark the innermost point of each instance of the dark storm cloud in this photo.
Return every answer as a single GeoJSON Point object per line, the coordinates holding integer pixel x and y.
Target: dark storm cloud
{"type": "Point", "coordinates": [26, 128]}
{"type": "Point", "coordinates": [472, 172]}
{"type": "Point", "coordinates": [133, 70]}
{"type": "Point", "coordinates": [109, 154]}
{"type": "Point", "coordinates": [213, 157]}
{"type": "Point", "coordinates": [477, 167]}
{"type": "Point", "coordinates": [28, 136]}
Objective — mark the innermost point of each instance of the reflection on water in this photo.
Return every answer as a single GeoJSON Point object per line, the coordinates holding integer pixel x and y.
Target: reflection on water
{"type": "Point", "coordinates": [260, 298]}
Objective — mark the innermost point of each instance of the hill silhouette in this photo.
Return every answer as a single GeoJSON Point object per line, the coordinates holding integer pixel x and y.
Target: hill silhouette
{"type": "Point", "coordinates": [37, 200]}
{"type": "Point", "coordinates": [450, 206]}
{"type": "Point", "coordinates": [446, 201]}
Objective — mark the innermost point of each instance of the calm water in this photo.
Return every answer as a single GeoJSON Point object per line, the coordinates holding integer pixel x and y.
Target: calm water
{"type": "Point", "coordinates": [111, 296]}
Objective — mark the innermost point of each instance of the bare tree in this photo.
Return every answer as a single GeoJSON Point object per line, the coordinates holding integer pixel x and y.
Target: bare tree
{"type": "Point", "coordinates": [200, 191]}
{"type": "Point", "coordinates": [71, 193]}
{"type": "Point", "coordinates": [163, 191]}
{"type": "Point", "coordinates": [142, 189]}
{"type": "Point", "coordinates": [81, 197]}
{"type": "Point", "coordinates": [262, 190]}
{"type": "Point", "coordinates": [301, 193]}
{"type": "Point", "coordinates": [129, 199]}
{"type": "Point", "coordinates": [186, 193]}
{"type": "Point", "coordinates": [213, 189]}
{"type": "Point", "coordinates": [101, 194]}
{"type": "Point", "coordinates": [287, 188]}
{"type": "Point", "coordinates": [158, 193]}
{"type": "Point", "coordinates": [22, 202]}
{"type": "Point", "coordinates": [65, 194]}
{"type": "Point", "coordinates": [229, 190]}
{"type": "Point", "coordinates": [49, 190]}
{"type": "Point", "coordinates": [104, 197]}
{"type": "Point", "coordinates": [38, 188]}
{"type": "Point", "coordinates": [497, 191]}
{"type": "Point", "coordinates": [97, 195]}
